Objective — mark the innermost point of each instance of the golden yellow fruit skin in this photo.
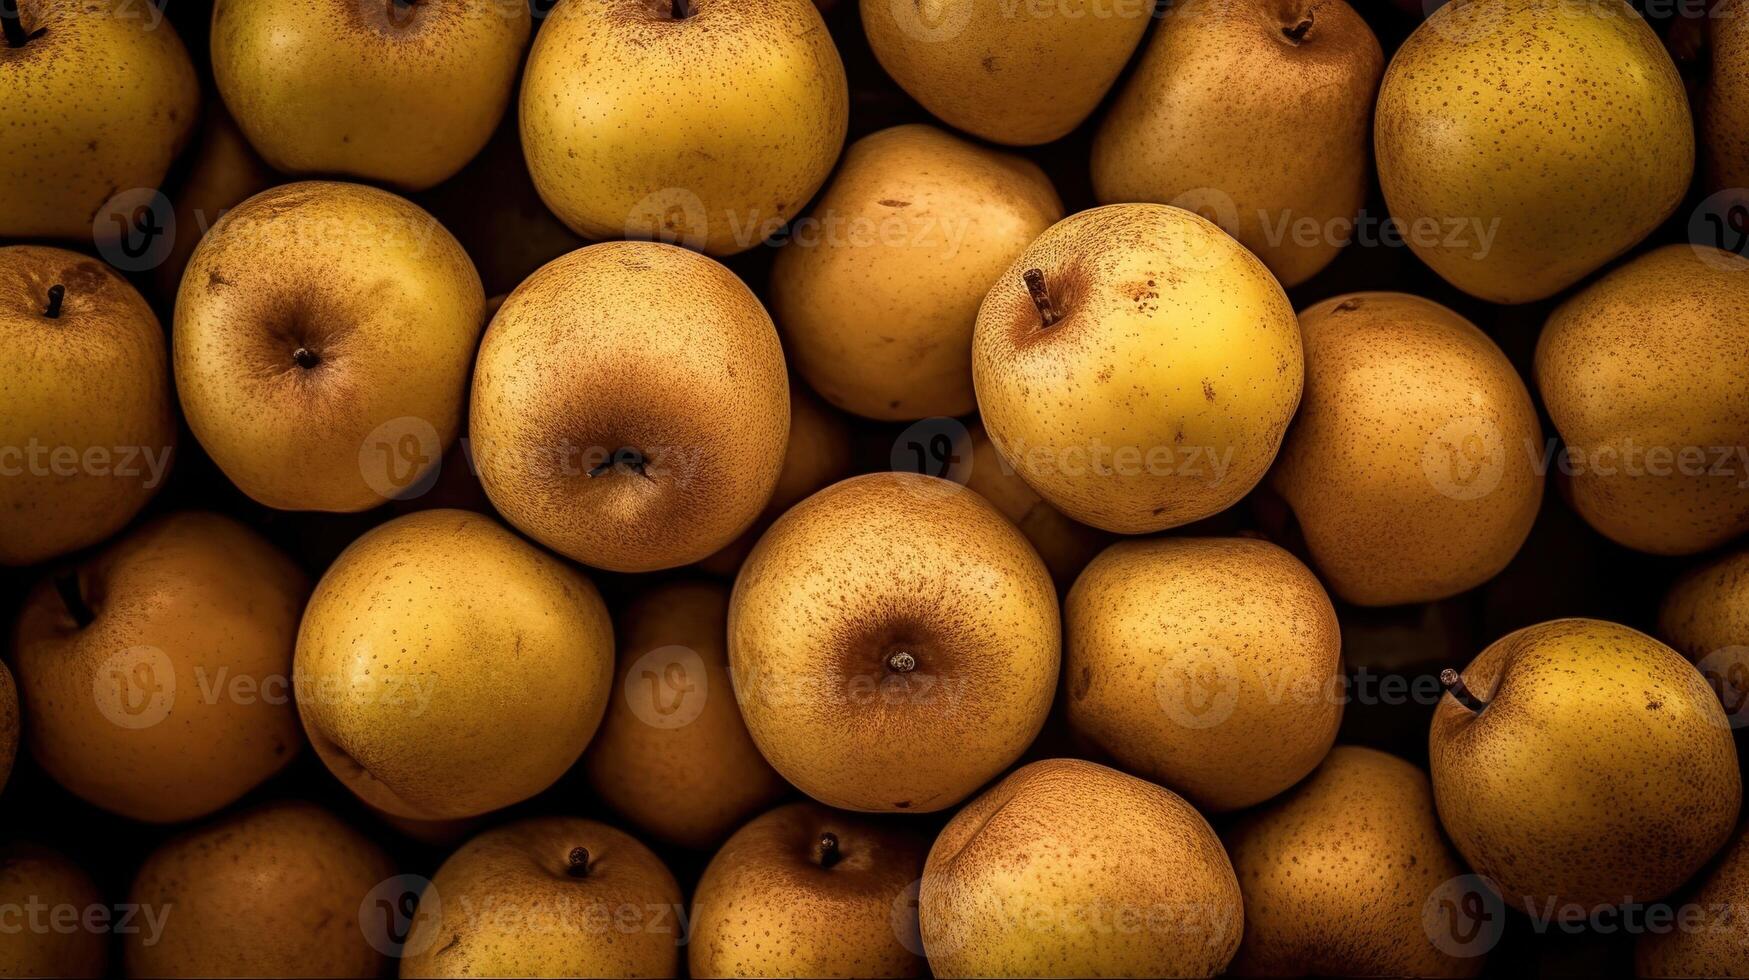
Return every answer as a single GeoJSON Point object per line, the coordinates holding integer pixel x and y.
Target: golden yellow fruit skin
{"type": "Point", "coordinates": [392, 93]}
{"type": "Point", "coordinates": [640, 346]}
{"type": "Point", "coordinates": [1150, 621]}
{"type": "Point", "coordinates": [1413, 465]}
{"type": "Point", "coordinates": [1725, 111]}
{"type": "Point", "coordinates": [711, 131]}
{"type": "Point", "coordinates": [1161, 393]}
{"type": "Point", "coordinates": [1019, 74]}
{"type": "Point", "coordinates": [511, 908]}
{"type": "Point", "coordinates": [218, 608]}
{"type": "Point", "coordinates": [766, 907]}
{"type": "Point", "coordinates": [32, 873]}
{"type": "Point", "coordinates": [269, 892]}
{"type": "Point", "coordinates": [433, 648]}
{"type": "Point", "coordinates": [672, 754]}
{"type": "Point", "coordinates": [1649, 359]}
{"type": "Point", "coordinates": [1070, 869]}
{"type": "Point", "coordinates": [101, 103]}
{"type": "Point", "coordinates": [1601, 771]}
{"type": "Point", "coordinates": [1719, 946]}
{"type": "Point", "coordinates": [1556, 129]}
{"type": "Point", "coordinates": [1181, 132]}
{"type": "Point", "coordinates": [877, 292]}
{"type": "Point", "coordinates": [1336, 874]}
{"type": "Point", "coordinates": [94, 379]}
{"type": "Point", "coordinates": [371, 284]}
{"type": "Point", "coordinates": [869, 568]}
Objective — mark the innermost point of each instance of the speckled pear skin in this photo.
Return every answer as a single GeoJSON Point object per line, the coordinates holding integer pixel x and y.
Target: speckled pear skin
{"type": "Point", "coordinates": [1336, 872]}
{"type": "Point", "coordinates": [635, 346]}
{"type": "Point", "coordinates": [1036, 877]}
{"type": "Point", "coordinates": [1412, 466]}
{"type": "Point", "coordinates": [768, 906]}
{"type": "Point", "coordinates": [1725, 110]}
{"type": "Point", "coordinates": [1150, 621]}
{"type": "Point", "coordinates": [1649, 359]}
{"type": "Point", "coordinates": [32, 873]}
{"type": "Point", "coordinates": [101, 101]}
{"type": "Point", "coordinates": [269, 892]}
{"type": "Point", "coordinates": [1716, 941]}
{"type": "Point", "coordinates": [1535, 140]}
{"type": "Point", "coordinates": [874, 567]}
{"type": "Point", "coordinates": [1707, 609]}
{"type": "Point", "coordinates": [1182, 132]}
{"type": "Point", "coordinates": [510, 906]}
{"type": "Point", "coordinates": [1160, 392]}
{"type": "Point", "coordinates": [1601, 771]}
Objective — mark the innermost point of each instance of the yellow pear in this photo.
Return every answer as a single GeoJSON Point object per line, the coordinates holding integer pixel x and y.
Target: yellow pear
{"type": "Point", "coordinates": [1137, 367]}
{"type": "Point", "coordinates": [804, 891]}
{"type": "Point", "coordinates": [87, 430]}
{"type": "Point", "coordinates": [280, 890]}
{"type": "Point", "coordinates": [398, 92]}
{"type": "Point", "coordinates": [1522, 144]}
{"type": "Point", "coordinates": [1414, 465]}
{"type": "Point", "coordinates": [446, 667]}
{"type": "Point", "coordinates": [1705, 617]}
{"type": "Point", "coordinates": [156, 677]}
{"type": "Point", "coordinates": [1725, 110]}
{"type": "Point", "coordinates": [1067, 868]}
{"type": "Point", "coordinates": [1337, 873]}
{"type": "Point", "coordinates": [34, 877]}
{"type": "Point", "coordinates": [1708, 936]}
{"type": "Point", "coordinates": [224, 172]}
{"type": "Point", "coordinates": [1580, 764]}
{"type": "Point", "coordinates": [673, 755]}
{"type": "Point", "coordinates": [1182, 132]}
{"type": "Point", "coordinates": [100, 98]}
{"type": "Point", "coordinates": [1209, 665]}
{"type": "Point", "coordinates": [1015, 73]}
{"type": "Point", "coordinates": [894, 643]}
{"type": "Point", "coordinates": [548, 897]}
{"type": "Point", "coordinates": [1642, 373]}
{"type": "Point", "coordinates": [324, 333]}
{"type": "Point", "coordinates": [630, 406]}
{"type": "Point", "coordinates": [877, 291]}
{"type": "Point", "coordinates": [705, 122]}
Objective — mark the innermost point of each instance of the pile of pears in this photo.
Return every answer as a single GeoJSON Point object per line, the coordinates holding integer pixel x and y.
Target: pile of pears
{"type": "Point", "coordinates": [862, 489]}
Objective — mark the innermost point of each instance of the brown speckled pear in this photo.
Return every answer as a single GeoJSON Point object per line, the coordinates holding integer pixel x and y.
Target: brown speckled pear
{"type": "Point", "coordinates": [1014, 73]}
{"type": "Point", "coordinates": [549, 897]}
{"type": "Point", "coordinates": [1642, 374]}
{"type": "Point", "coordinates": [1336, 874]}
{"type": "Point", "coordinates": [673, 755]}
{"type": "Point", "coordinates": [100, 98]}
{"type": "Point", "coordinates": [1035, 877]}
{"type": "Point", "coordinates": [431, 650]}
{"type": "Point", "coordinates": [324, 333]}
{"type": "Point", "coordinates": [88, 423]}
{"type": "Point", "coordinates": [155, 676]}
{"type": "Point", "coordinates": [270, 892]}
{"type": "Point", "coordinates": [894, 642]}
{"type": "Point", "coordinates": [1585, 765]}
{"type": "Point", "coordinates": [705, 122]}
{"type": "Point", "coordinates": [804, 891]}
{"type": "Point", "coordinates": [30, 873]}
{"type": "Point", "coordinates": [1719, 946]}
{"type": "Point", "coordinates": [1209, 665]}
{"type": "Point", "coordinates": [1524, 143]}
{"type": "Point", "coordinates": [1413, 465]}
{"type": "Point", "coordinates": [630, 406]}
{"type": "Point", "coordinates": [397, 92]}
{"type": "Point", "coordinates": [877, 291]}
{"type": "Point", "coordinates": [1705, 617]}
{"type": "Point", "coordinates": [1282, 161]}
{"type": "Point", "coordinates": [1725, 111]}
{"type": "Point", "coordinates": [1137, 367]}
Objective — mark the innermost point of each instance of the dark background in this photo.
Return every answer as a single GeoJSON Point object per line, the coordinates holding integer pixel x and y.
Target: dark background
{"type": "Point", "coordinates": [1564, 569]}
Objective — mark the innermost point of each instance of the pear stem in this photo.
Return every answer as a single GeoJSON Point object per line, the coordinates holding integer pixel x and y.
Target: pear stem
{"type": "Point", "coordinates": [57, 293]}
{"type": "Point", "coordinates": [1454, 685]}
{"type": "Point", "coordinates": [1297, 32]}
{"type": "Point", "coordinates": [826, 851]}
{"type": "Point", "coordinates": [901, 662]}
{"type": "Point", "coordinates": [577, 862]}
{"type": "Point", "coordinates": [13, 23]}
{"type": "Point", "coordinates": [1041, 298]}
{"type": "Point", "coordinates": [680, 10]}
{"type": "Point", "coordinates": [68, 586]}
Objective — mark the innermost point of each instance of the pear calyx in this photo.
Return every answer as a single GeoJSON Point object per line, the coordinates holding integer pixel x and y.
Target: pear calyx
{"type": "Point", "coordinates": [71, 597]}
{"type": "Point", "coordinates": [625, 456]}
{"type": "Point", "coordinates": [1296, 33]}
{"type": "Point", "coordinates": [826, 852]}
{"type": "Point", "coordinates": [1041, 297]}
{"type": "Point", "coordinates": [680, 10]}
{"type": "Point", "coordinates": [577, 862]}
{"type": "Point", "coordinates": [57, 293]}
{"type": "Point", "coordinates": [1454, 685]}
{"type": "Point", "coordinates": [901, 662]}
{"type": "Point", "coordinates": [306, 358]}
